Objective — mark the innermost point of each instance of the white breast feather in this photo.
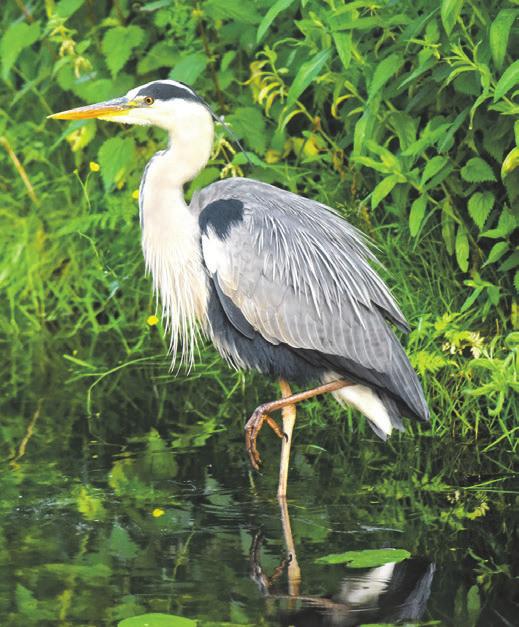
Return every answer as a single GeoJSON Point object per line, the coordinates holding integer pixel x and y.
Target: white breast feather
{"type": "Point", "coordinates": [171, 247]}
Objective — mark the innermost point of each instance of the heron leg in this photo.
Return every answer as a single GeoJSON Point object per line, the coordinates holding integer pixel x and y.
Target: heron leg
{"type": "Point", "coordinates": [293, 570]}
{"type": "Point", "coordinates": [288, 414]}
{"type": "Point", "coordinates": [263, 581]}
{"type": "Point", "coordinates": [262, 414]}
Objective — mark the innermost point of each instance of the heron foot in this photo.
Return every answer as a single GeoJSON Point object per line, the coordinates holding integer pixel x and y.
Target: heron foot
{"type": "Point", "coordinates": [263, 581]}
{"type": "Point", "coordinates": [252, 429]}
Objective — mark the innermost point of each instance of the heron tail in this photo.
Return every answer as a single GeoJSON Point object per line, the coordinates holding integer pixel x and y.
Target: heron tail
{"type": "Point", "coordinates": [380, 409]}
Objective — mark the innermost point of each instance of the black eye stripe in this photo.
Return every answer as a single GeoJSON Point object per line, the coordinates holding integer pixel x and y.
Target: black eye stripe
{"type": "Point", "coordinates": [166, 91]}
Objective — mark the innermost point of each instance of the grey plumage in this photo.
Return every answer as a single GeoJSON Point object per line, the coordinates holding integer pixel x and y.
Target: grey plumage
{"type": "Point", "coordinates": [295, 282]}
{"type": "Point", "coordinates": [280, 283]}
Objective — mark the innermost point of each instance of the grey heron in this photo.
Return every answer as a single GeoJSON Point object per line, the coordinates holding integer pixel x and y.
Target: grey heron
{"type": "Point", "coordinates": [279, 283]}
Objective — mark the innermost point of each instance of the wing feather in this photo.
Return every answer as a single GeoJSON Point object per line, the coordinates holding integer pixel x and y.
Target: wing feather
{"type": "Point", "coordinates": [300, 275]}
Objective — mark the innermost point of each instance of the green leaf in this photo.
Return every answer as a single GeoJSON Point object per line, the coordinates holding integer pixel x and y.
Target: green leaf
{"type": "Point", "coordinates": [16, 38]}
{"type": "Point", "coordinates": [417, 214]}
{"type": "Point", "coordinates": [462, 248]}
{"type": "Point", "coordinates": [371, 163]}
{"type": "Point", "coordinates": [480, 205]}
{"type": "Point", "coordinates": [516, 281]}
{"type": "Point", "coordinates": [510, 163]}
{"type": "Point", "coordinates": [235, 10]}
{"type": "Point", "coordinates": [246, 158]}
{"type": "Point", "coordinates": [476, 170]}
{"type": "Point", "coordinates": [206, 176]}
{"type": "Point", "coordinates": [25, 601]}
{"type": "Point", "coordinates": [159, 459]}
{"type": "Point", "coordinates": [507, 223]}
{"type": "Point", "coordinates": [509, 79]}
{"type": "Point", "coordinates": [154, 5]}
{"type": "Point", "coordinates": [405, 126]}
{"type": "Point", "coordinates": [500, 33]}
{"type": "Point", "coordinates": [157, 620]}
{"type": "Point", "coordinates": [342, 43]}
{"type": "Point", "coordinates": [95, 571]}
{"type": "Point", "coordinates": [270, 16]}
{"type": "Point", "coordinates": [421, 69]}
{"type": "Point", "coordinates": [103, 88]}
{"type": "Point", "coordinates": [450, 11]}
{"type": "Point", "coordinates": [369, 558]}
{"type": "Point", "coordinates": [448, 137]}
{"type": "Point", "coordinates": [118, 44]}
{"type": "Point", "coordinates": [428, 138]}
{"type": "Point", "coordinates": [248, 123]}
{"type": "Point", "coordinates": [66, 8]}
{"type": "Point", "coordinates": [385, 70]}
{"type": "Point", "coordinates": [389, 160]}
{"type": "Point", "coordinates": [227, 59]}
{"type": "Point", "coordinates": [471, 299]}
{"type": "Point", "coordinates": [189, 68]}
{"type": "Point", "coordinates": [473, 605]}
{"type": "Point", "coordinates": [510, 262]}
{"type": "Point", "coordinates": [162, 54]}
{"type": "Point", "coordinates": [306, 74]}
{"type": "Point", "coordinates": [383, 189]}
{"type": "Point", "coordinates": [347, 21]}
{"type": "Point", "coordinates": [365, 126]}
{"type": "Point", "coordinates": [432, 167]}
{"type": "Point", "coordinates": [90, 504]}
{"type": "Point", "coordinates": [497, 251]}
{"type": "Point", "coordinates": [121, 545]}
{"type": "Point", "coordinates": [448, 227]}
{"type": "Point", "coordinates": [115, 157]}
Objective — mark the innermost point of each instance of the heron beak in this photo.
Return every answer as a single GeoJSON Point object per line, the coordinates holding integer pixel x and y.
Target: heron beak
{"type": "Point", "coordinates": [108, 110]}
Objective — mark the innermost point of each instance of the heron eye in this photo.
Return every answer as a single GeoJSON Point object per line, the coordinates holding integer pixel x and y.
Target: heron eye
{"type": "Point", "coordinates": [149, 100]}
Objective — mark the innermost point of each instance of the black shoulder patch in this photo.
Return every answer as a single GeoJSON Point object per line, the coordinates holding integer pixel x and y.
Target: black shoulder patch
{"type": "Point", "coordinates": [166, 91]}
{"type": "Point", "coordinates": [220, 215]}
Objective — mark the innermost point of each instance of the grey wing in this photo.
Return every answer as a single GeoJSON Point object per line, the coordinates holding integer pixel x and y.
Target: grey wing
{"type": "Point", "coordinates": [300, 275]}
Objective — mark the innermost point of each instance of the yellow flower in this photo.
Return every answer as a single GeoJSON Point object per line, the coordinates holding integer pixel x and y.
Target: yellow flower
{"type": "Point", "coordinates": [272, 156]}
{"type": "Point", "coordinates": [152, 320]}
{"type": "Point", "coordinates": [94, 167]}
{"type": "Point", "coordinates": [135, 194]}
{"type": "Point", "coordinates": [158, 512]}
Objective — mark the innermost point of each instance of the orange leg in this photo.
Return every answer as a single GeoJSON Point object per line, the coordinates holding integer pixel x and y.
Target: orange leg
{"type": "Point", "coordinates": [262, 414]}
{"type": "Point", "coordinates": [293, 570]}
{"type": "Point", "coordinates": [288, 415]}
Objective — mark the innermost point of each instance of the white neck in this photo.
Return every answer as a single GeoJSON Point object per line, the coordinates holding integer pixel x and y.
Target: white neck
{"type": "Point", "coordinates": [189, 150]}
{"type": "Point", "coordinates": [171, 234]}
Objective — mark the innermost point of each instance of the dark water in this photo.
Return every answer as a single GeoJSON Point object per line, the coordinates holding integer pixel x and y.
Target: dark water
{"type": "Point", "coordinates": [125, 514]}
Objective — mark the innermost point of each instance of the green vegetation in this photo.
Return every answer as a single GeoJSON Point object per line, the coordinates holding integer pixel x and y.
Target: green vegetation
{"type": "Point", "coordinates": [97, 527]}
{"type": "Point", "coordinates": [157, 620]}
{"type": "Point", "coordinates": [368, 558]}
{"type": "Point", "coordinates": [126, 494]}
{"type": "Point", "coordinates": [399, 115]}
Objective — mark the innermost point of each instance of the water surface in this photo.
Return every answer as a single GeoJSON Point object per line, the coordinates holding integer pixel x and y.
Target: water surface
{"type": "Point", "coordinates": [132, 511]}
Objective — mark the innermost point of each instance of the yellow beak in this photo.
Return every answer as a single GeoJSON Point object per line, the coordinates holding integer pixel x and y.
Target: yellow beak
{"type": "Point", "coordinates": [104, 110]}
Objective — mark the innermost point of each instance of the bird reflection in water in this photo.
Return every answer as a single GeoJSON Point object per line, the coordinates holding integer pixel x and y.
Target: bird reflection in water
{"type": "Point", "coordinates": [390, 593]}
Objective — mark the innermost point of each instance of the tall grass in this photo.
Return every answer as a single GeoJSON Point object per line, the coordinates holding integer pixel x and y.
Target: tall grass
{"type": "Point", "coordinates": [75, 299]}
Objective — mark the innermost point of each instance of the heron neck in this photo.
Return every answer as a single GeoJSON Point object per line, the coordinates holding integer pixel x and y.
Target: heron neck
{"type": "Point", "coordinates": [188, 151]}
{"type": "Point", "coordinates": [171, 236]}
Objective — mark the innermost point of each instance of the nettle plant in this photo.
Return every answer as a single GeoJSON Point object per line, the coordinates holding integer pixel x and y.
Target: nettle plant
{"type": "Point", "coordinates": [405, 111]}
{"type": "Point", "coordinates": [421, 103]}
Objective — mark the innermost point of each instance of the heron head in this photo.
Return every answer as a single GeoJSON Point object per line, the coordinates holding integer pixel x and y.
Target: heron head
{"type": "Point", "coordinates": [169, 104]}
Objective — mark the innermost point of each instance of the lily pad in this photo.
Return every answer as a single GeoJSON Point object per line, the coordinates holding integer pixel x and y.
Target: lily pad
{"type": "Point", "coordinates": [157, 620]}
{"type": "Point", "coordinates": [369, 558]}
